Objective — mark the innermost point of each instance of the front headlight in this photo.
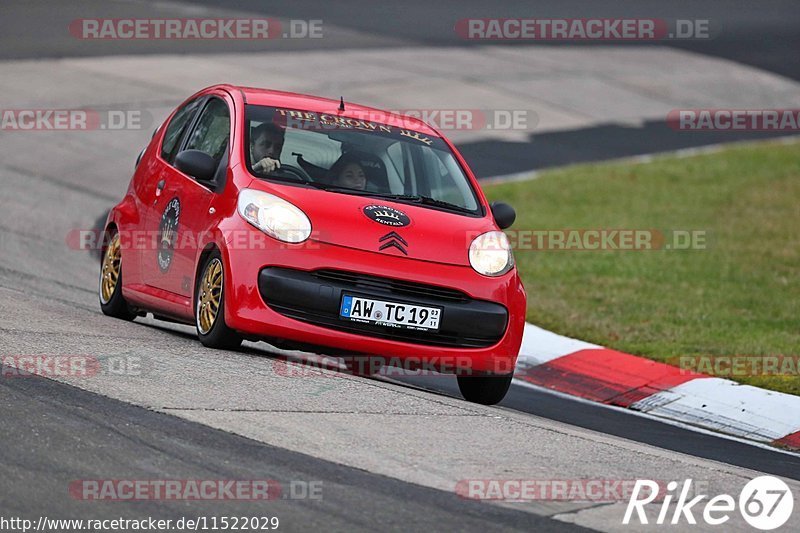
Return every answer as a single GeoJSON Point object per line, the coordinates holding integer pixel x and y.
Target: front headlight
{"type": "Point", "coordinates": [490, 254]}
{"type": "Point", "coordinates": [274, 216]}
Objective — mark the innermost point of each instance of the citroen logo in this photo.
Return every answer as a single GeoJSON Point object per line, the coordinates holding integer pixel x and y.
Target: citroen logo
{"type": "Point", "coordinates": [393, 240]}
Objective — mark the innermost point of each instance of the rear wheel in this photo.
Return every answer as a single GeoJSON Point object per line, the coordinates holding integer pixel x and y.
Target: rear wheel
{"type": "Point", "coordinates": [110, 291]}
{"type": "Point", "coordinates": [486, 390]}
{"type": "Point", "coordinates": [210, 307]}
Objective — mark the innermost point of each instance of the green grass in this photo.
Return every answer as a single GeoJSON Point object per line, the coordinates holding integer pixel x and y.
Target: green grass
{"type": "Point", "coordinates": [739, 296]}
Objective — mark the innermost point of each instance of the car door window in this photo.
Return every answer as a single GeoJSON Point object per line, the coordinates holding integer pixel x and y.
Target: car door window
{"type": "Point", "coordinates": [180, 121]}
{"type": "Point", "coordinates": [212, 131]}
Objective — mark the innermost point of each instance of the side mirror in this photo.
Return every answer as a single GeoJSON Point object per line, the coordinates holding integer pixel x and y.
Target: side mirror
{"type": "Point", "coordinates": [197, 164]}
{"type": "Point", "coordinates": [503, 214]}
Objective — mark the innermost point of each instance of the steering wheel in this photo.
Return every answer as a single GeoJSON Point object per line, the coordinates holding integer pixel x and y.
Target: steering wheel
{"type": "Point", "coordinates": [297, 171]}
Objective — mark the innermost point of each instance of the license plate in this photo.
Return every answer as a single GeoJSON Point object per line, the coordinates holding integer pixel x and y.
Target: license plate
{"type": "Point", "coordinates": [393, 314]}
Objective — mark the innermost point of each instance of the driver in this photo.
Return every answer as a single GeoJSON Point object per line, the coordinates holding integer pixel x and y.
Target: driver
{"type": "Point", "coordinates": [265, 148]}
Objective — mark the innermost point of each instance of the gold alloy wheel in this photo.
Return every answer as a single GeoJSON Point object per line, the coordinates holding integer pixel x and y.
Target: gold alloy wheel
{"type": "Point", "coordinates": [208, 299]}
{"type": "Point", "coordinates": [109, 275]}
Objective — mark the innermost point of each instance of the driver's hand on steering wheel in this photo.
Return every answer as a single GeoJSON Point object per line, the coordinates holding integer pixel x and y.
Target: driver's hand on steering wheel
{"type": "Point", "coordinates": [267, 165]}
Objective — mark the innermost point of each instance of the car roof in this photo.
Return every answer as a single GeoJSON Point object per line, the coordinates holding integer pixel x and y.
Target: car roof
{"type": "Point", "coordinates": [304, 102]}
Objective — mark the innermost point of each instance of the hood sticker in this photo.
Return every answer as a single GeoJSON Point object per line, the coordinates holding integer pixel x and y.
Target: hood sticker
{"type": "Point", "coordinates": [388, 216]}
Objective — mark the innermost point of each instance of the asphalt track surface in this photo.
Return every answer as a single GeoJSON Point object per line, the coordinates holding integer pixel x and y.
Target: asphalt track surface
{"type": "Point", "coordinates": [760, 34]}
{"type": "Point", "coordinates": [642, 429]}
{"type": "Point", "coordinates": [61, 432]}
{"type": "Point", "coordinates": [223, 415]}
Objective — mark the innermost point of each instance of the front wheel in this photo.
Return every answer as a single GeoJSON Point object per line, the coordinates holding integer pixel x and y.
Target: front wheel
{"type": "Point", "coordinates": [486, 390]}
{"type": "Point", "coordinates": [210, 307]}
{"type": "Point", "coordinates": [112, 303]}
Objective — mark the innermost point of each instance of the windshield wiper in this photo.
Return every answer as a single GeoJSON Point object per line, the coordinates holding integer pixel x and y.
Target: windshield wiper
{"type": "Point", "coordinates": [284, 178]}
{"type": "Point", "coordinates": [288, 178]}
{"type": "Point", "coordinates": [426, 200]}
{"type": "Point", "coordinates": [337, 188]}
{"type": "Point", "coordinates": [414, 198]}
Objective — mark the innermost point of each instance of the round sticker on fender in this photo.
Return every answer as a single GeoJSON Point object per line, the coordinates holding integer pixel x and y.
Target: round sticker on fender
{"type": "Point", "coordinates": [168, 233]}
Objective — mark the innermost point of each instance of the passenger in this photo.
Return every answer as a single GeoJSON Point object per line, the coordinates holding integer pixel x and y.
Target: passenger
{"type": "Point", "coordinates": [348, 172]}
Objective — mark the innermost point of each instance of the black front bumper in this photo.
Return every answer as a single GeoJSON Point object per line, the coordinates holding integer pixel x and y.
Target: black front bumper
{"type": "Point", "coordinates": [315, 297]}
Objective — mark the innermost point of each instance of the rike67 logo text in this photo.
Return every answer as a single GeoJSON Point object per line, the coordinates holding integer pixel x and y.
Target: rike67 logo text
{"type": "Point", "coordinates": [765, 503]}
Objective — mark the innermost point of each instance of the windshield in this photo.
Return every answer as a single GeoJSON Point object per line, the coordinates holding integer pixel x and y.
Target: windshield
{"type": "Point", "coordinates": [352, 156]}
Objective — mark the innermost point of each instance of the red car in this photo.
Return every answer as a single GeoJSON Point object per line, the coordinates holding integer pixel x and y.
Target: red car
{"type": "Point", "coordinates": [302, 221]}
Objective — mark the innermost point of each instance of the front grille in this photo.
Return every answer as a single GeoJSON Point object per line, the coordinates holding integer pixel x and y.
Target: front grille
{"type": "Point", "coordinates": [315, 297]}
{"type": "Point", "coordinates": [398, 287]}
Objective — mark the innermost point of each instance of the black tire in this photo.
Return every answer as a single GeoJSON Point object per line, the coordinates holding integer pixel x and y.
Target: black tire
{"type": "Point", "coordinates": [219, 336]}
{"type": "Point", "coordinates": [115, 305]}
{"type": "Point", "coordinates": [486, 390]}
